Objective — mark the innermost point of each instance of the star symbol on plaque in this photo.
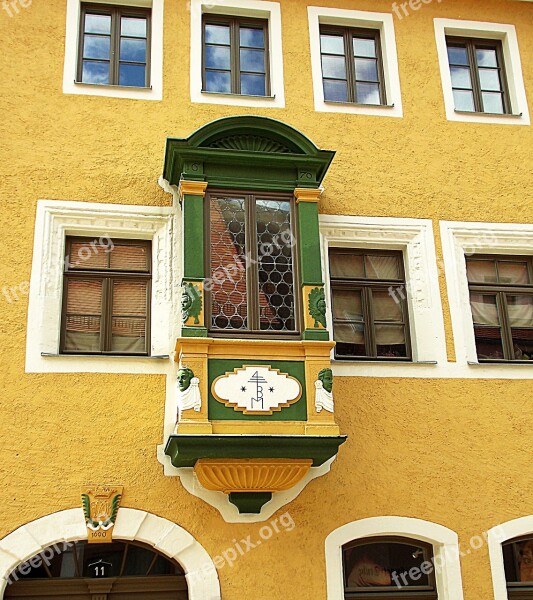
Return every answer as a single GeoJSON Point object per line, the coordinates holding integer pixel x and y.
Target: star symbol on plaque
{"type": "Point", "coordinates": [243, 389]}
{"type": "Point", "coordinates": [271, 390]}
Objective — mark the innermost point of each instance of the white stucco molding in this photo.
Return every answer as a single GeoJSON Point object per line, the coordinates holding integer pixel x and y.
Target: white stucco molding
{"type": "Point", "coordinates": [55, 220]}
{"type": "Point", "coordinates": [444, 541]}
{"type": "Point", "coordinates": [496, 537]}
{"type": "Point", "coordinates": [461, 239]}
{"type": "Point", "coordinates": [132, 524]}
{"type": "Point", "coordinates": [414, 237]}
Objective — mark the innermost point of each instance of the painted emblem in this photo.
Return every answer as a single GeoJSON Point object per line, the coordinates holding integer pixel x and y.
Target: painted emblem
{"type": "Point", "coordinates": [317, 306]}
{"type": "Point", "coordinates": [100, 507]}
{"type": "Point", "coordinates": [191, 303]}
{"type": "Point", "coordinates": [257, 390]}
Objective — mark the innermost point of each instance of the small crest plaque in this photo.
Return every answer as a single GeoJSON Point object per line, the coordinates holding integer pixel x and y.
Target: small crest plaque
{"type": "Point", "coordinates": [100, 507]}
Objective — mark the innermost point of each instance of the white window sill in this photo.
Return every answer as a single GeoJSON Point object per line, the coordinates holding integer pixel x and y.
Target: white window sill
{"type": "Point", "coordinates": [357, 104]}
{"type": "Point", "coordinates": [105, 86]}
{"type": "Point", "coordinates": [106, 356]}
{"type": "Point", "coordinates": [233, 95]}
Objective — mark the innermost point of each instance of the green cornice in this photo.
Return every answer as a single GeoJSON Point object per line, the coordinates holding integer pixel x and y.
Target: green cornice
{"type": "Point", "coordinates": [247, 152]}
{"type": "Point", "coordinates": [184, 450]}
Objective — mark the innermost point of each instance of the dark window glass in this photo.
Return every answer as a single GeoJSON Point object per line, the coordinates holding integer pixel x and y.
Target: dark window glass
{"type": "Point", "coordinates": [235, 56]}
{"type": "Point", "coordinates": [251, 263]}
{"type": "Point", "coordinates": [478, 75]}
{"type": "Point", "coordinates": [114, 45]}
{"type": "Point", "coordinates": [381, 568]}
{"type": "Point", "coordinates": [518, 561]}
{"type": "Point", "coordinates": [501, 300]}
{"type": "Point", "coordinates": [369, 305]}
{"type": "Point", "coordinates": [106, 296]}
{"type": "Point", "coordinates": [352, 68]}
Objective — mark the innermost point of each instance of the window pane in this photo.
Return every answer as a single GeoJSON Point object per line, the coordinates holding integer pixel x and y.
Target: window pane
{"type": "Point", "coordinates": [366, 69]}
{"type": "Point", "coordinates": [370, 565]}
{"type": "Point", "coordinates": [364, 47]}
{"type": "Point", "coordinates": [96, 46]}
{"type": "Point", "coordinates": [83, 255]}
{"type": "Point", "coordinates": [385, 307]}
{"type": "Point", "coordinates": [128, 257]}
{"type": "Point", "coordinates": [368, 93]}
{"type": "Point", "coordinates": [350, 338]}
{"type": "Point", "coordinates": [332, 44]}
{"type": "Point", "coordinates": [253, 60]}
{"type": "Point", "coordinates": [98, 24]}
{"type": "Point", "coordinates": [513, 272]}
{"type": "Point", "coordinates": [334, 66]}
{"type": "Point", "coordinates": [488, 342]}
{"type": "Point", "coordinates": [252, 38]}
{"type": "Point", "coordinates": [253, 85]}
{"type": "Point", "coordinates": [520, 310]}
{"type": "Point", "coordinates": [382, 267]}
{"type": "Point", "coordinates": [481, 271]}
{"type": "Point", "coordinates": [390, 341]}
{"type": "Point", "coordinates": [347, 305]}
{"type": "Point", "coordinates": [228, 264]}
{"type": "Point", "coordinates": [95, 72]}
{"type": "Point", "coordinates": [274, 252]}
{"type": "Point", "coordinates": [218, 81]}
{"type": "Point", "coordinates": [492, 103]}
{"type": "Point", "coordinates": [522, 344]}
{"type": "Point", "coordinates": [518, 560]}
{"type": "Point", "coordinates": [128, 335]}
{"type": "Point", "coordinates": [335, 91]}
{"type": "Point", "coordinates": [464, 100]}
{"type": "Point", "coordinates": [217, 34]}
{"type": "Point", "coordinates": [129, 298]}
{"type": "Point", "coordinates": [217, 57]}
{"type": "Point", "coordinates": [461, 78]}
{"type": "Point", "coordinates": [484, 309]}
{"type": "Point", "coordinates": [84, 296]}
{"type": "Point", "coordinates": [132, 27]}
{"type": "Point", "coordinates": [489, 79]}
{"type": "Point", "coordinates": [486, 58]}
{"type": "Point", "coordinates": [133, 50]}
{"type": "Point", "coordinates": [133, 75]}
{"type": "Point", "coordinates": [346, 265]}
{"type": "Point", "coordinates": [138, 561]}
{"type": "Point", "coordinates": [82, 333]}
{"type": "Point", "coordinates": [457, 56]}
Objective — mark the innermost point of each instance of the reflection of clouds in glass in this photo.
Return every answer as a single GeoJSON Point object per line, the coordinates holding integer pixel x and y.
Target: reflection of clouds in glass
{"type": "Point", "coordinates": [133, 50]}
{"type": "Point", "coordinates": [133, 27]}
{"type": "Point", "coordinates": [217, 82]}
{"type": "Point", "coordinates": [132, 75]}
{"type": "Point", "coordinates": [253, 60]}
{"type": "Point", "coordinates": [368, 93]}
{"type": "Point", "coordinates": [217, 57]}
{"type": "Point", "coordinates": [96, 47]}
{"type": "Point", "coordinates": [253, 85]}
{"type": "Point", "coordinates": [253, 38]}
{"type": "Point", "coordinates": [95, 72]}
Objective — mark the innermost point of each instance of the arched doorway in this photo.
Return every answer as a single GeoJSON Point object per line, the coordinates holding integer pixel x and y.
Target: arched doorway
{"type": "Point", "coordinates": [82, 571]}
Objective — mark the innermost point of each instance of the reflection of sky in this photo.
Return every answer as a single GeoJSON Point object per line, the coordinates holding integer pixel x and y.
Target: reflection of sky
{"type": "Point", "coordinates": [253, 85]}
{"type": "Point", "coordinates": [217, 57]}
{"type": "Point", "coordinates": [133, 75]}
{"type": "Point", "coordinates": [133, 50]}
{"type": "Point", "coordinates": [217, 82]}
{"type": "Point", "coordinates": [96, 47]}
{"type": "Point", "coordinates": [95, 72]}
{"type": "Point", "coordinates": [253, 38]}
{"type": "Point", "coordinates": [253, 60]}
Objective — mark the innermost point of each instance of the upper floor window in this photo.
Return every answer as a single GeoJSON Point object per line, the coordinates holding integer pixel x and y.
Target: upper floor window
{"type": "Point", "coordinates": [106, 296]}
{"type": "Point", "coordinates": [389, 567]}
{"type": "Point", "coordinates": [235, 55]}
{"type": "Point", "coordinates": [114, 45]}
{"type": "Point", "coordinates": [518, 561]}
{"type": "Point", "coordinates": [369, 305]}
{"type": "Point", "coordinates": [251, 263]}
{"type": "Point", "coordinates": [478, 77]}
{"type": "Point", "coordinates": [352, 69]}
{"type": "Point", "coordinates": [501, 298]}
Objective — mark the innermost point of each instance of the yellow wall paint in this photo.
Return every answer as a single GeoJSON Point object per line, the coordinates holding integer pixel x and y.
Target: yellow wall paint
{"type": "Point", "coordinates": [450, 451]}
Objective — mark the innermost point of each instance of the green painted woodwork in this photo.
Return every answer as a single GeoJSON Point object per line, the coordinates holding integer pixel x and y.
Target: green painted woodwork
{"type": "Point", "coordinates": [193, 332]}
{"type": "Point", "coordinates": [249, 503]}
{"type": "Point", "coordinates": [184, 450]}
{"type": "Point", "coordinates": [309, 244]}
{"type": "Point", "coordinates": [219, 412]}
{"type": "Point", "coordinates": [247, 152]}
{"type": "Point", "coordinates": [319, 335]}
{"type": "Point", "coordinates": [193, 237]}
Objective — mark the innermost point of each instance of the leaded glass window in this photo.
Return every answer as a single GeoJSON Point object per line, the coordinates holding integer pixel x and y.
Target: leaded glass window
{"type": "Point", "coordinates": [251, 263]}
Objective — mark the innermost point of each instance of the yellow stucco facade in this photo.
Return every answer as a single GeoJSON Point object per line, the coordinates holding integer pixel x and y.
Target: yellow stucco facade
{"type": "Point", "coordinates": [455, 451]}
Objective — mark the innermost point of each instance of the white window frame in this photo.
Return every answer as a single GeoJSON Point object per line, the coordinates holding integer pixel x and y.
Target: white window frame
{"type": "Point", "coordinates": [513, 69]}
{"type": "Point", "coordinates": [444, 541]}
{"type": "Point", "coordinates": [414, 237]}
{"type": "Point", "coordinates": [369, 20]}
{"type": "Point", "coordinates": [54, 221]}
{"type": "Point", "coordinates": [461, 239]}
{"type": "Point", "coordinates": [71, 86]}
{"type": "Point", "coordinates": [497, 536]}
{"type": "Point", "coordinates": [258, 9]}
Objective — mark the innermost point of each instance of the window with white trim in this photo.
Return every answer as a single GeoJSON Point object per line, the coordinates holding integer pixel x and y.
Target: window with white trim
{"type": "Point", "coordinates": [481, 72]}
{"type": "Point", "coordinates": [114, 49]}
{"type": "Point", "coordinates": [354, 62]}
{"type": "Point", "coordinates": [518, 561]}
{"type": "Point", "coordinates": [236, 53]}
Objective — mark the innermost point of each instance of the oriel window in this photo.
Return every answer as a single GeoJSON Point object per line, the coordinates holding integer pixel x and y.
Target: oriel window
{"type": "Point", "coordinates": [114, 45]}
{"type": "Point", "coordinates": [235, 56]}
{"type": "Point", "coordinates": [106, 296]}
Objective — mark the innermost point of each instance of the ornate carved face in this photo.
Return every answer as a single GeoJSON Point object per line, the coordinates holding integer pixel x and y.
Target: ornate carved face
{"type": "Point", "coordinates": [184, 379]}
{"type": "Point", "coordinates": [321, 305]}
{"type": "Point", "coordinates": [186, 301]}
{"type": "Point", "coordinates": [326, 377]}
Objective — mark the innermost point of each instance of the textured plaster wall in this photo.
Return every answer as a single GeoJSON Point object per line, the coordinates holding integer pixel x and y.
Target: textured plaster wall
{"type": "Point", "coordinates": [454, 452]}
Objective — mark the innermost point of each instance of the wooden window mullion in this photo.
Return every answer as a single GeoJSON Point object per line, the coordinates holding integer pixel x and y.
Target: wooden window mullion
{"type": "Point", "coordinates": [507, 336]}
{"type": "Point", "coordinates": [107, 311]}
{"type": "Point", "coordinates": [252, 265]}
{"type": "Point", "coordinates": [350, 65]}
{"type": "Point", "coordinates": [474, 74]}
{"type": "Point", "coordinates": [368, 316]}
{"type": "Point", "coordinates": [235, 57]}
